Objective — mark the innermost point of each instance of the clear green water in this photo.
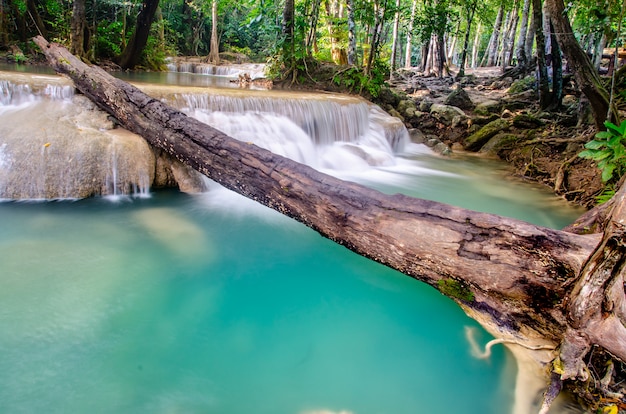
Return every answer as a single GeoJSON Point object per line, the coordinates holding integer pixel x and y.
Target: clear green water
{"type": "Point", "coordinates": [213, 304]}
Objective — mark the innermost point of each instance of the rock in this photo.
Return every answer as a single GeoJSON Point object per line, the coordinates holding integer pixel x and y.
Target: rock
{"type": "Point", "coordinates": [395, 113]}
{"type": "Point", "coordinates": [570, 101]}
{"type": "Point", "coordinates": [475, 141]}
{"type": "Point", "coordinates": [447, 115]}
{"type": "Point", "coordinates": [417, 136]}
{"type": "Point", "coordinates": [460, 99]}
{"type": "Point", "coordinates": [406, 107]}
{"type": "Point", "coordinates": [389, 97]}
{"type": "Point", "coordinates": [425, 105]}
{"type": "Point", "coordinates": [522, 85]}
{"type": "Point", "coordinates": [507, 114]}
{"type": "Point", "coordinates": [498, 141]}
{"type": "Point", "coordinates": [488, 107]}
{"type": "Point", "coordinates": [525, 121]}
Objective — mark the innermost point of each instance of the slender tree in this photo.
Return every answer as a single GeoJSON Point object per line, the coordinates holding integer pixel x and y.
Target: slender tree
{"type": "Point", "coordinates": [409, 37]}
{"type": "Point", "coordinates": [470, 9]}
{"type": "Point", "coordinates": [131, 55]}
{"type": "Point", "coordinates": [494, 43]}
{"type": "Point", "coordinates": [351, 33]}
{"type": "Point", "coordinates": [214, 52]}
{"type": "Point", "coordinates": [520, 48]}
{"type": "Point", "coordinates": [542, 71]}
{"type": "Point", "coordinates": [394, 41]}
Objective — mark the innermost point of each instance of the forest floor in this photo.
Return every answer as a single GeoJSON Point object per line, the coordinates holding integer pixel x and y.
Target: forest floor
{"type": "Point", "coordinates": [538, 146]}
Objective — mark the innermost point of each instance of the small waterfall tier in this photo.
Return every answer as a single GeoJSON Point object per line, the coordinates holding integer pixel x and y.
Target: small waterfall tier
{"type": "Point", "coordinates": [255, 70]}
{"type": "Point", "coordinates": [336, 132]}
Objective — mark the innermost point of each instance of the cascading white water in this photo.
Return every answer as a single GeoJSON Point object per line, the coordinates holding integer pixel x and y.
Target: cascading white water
{"type": "Point", "coordinates": [335, 132]}
{"type": "Point", "coordinates": [255, 70]}
{"type": "Point", "coordinates": [57, 145]}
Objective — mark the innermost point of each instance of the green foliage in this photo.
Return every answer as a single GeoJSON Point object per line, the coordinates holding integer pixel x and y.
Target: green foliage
{"type": "Point", "coordinates": [455, 289]}
{"type": "Point", "coordinates": [438, 19]}
{"type": "Point", "coordinates": [608, 151]}
{"type": "Point", "coordinates": [153, 55]}
{"type": "Point", "coordinates": [356, 81]}
{"type": "Point", "coordinates": [109, 40]}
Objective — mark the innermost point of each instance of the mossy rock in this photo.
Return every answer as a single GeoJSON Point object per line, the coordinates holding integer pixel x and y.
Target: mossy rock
{"type": "Point", "coordinates": [407, 107]}
{"type": "Point", "coordinates": [526, 121]}
{"type": "Point", "coordinates": [460, 98]}
{"type": "Point", "coordinates": [499, 141]}
{"type": "Point", "coordinates": [446, 114]}
{"type": "Point", "coordinates": [475, 141]}
{"type": "Point", "coordinates": [522, 85]}
{"type": "Point", "coordinates": [488, 107]}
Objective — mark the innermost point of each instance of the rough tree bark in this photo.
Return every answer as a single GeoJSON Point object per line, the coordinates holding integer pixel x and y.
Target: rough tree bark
{"type": "Point", "coordinates": [529, 285]}
{"type": "Point", "coordinates": [77, 31]}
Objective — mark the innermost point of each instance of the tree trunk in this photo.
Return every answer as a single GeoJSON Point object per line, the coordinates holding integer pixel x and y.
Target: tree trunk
{"type": "Point", "coordinates": [542, 70]}
{"type": "Point", "coordinates": [312, 32]}
{"type": "Point", "coordinates": [131, 56]}
{"type": "Point", "coordinates": [77, 30]}
{"type": "Point", "coordinates": [530, 37]}
{"type": "Point", "coordinates": [557, 73]}
{"type": "Point", "coordinates": [409, 37]}
{"type": "Point", "coordinates": [351, 34]}
{"type": "Point", "coordinates": [509, 38]}
{"type": "Point", "coordinates": [394, 42]}
{"type": "Point", "coordinates": [214, 52]}
{"type": "Point", "coordinates": [495, 37]}
{"type": "Point", "coordinates": [520, 49]}
{"type": "Point", "coordinates": [527, 283]}
{"type": "Point", "coordinates": [476, 45]}
{"type": "Point", "coordinates": [289, 46]}
{"type": "Point", "coordinates": [36, 17]}
{"type": "Point", "coordinates": [585, 74]}
{"type": "Point", "coordinates": [469, 17]}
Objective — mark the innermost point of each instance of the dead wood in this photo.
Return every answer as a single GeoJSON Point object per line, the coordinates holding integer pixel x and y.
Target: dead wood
{"type": "Point", "coordinates": [523, 281]}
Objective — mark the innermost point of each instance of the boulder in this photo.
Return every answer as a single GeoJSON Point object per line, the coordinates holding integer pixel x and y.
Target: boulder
{"type": "Point", "coordinates": [525, 121]}
{"type": "Point", "coordinates": [460, 99]}
{"type": "Point", "coordinates": [488, 107]}
{"type": "Point", "coordinates": [479, 138]}
{"type": "Point", "coordinates": [447, 114]}
{"type": "Point", "coordinates": [499, 141]}
{"type": "Point", "coordinates": [521, 85]}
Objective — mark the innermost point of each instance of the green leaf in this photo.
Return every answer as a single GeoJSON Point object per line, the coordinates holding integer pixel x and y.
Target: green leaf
{"type": "Point", "coordinates": [604, 134]}
{"type": "Point", "coordinates": [607, 172]}
{"type": "Point", "coordinates": [594, 145]}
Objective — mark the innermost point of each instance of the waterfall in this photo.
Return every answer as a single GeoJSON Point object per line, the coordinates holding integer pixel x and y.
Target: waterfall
{"type": "Point", "coordinates": [55, 144]}
{"type": "Point", "coordinates": [337, 132]}
{"type": "Point", "coordinates": [255, 70]}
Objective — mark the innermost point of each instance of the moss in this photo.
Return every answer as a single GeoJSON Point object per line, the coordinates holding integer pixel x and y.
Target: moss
{"type": "Point", "coordinates": [522, 85]}
{"type": "Point", "coordinates": [475, 141]}
{"type": "Point", "coordinates": [455, 289]}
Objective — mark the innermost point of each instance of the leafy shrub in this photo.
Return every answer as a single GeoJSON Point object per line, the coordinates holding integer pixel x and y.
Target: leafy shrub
{"type": "Point", "coordinates": [608, 151]}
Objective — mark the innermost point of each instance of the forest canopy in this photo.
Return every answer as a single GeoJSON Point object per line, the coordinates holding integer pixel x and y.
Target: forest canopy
{"type": "Point", "coordinates": [401, 33]}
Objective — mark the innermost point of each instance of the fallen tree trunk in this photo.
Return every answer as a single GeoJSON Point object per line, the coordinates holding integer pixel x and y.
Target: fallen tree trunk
{"type": "Point", "coordinates": [522, 281]}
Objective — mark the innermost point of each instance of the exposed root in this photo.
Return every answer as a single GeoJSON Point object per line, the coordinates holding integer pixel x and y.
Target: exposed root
{"type": "Point", "coordinates": [478, 353]}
